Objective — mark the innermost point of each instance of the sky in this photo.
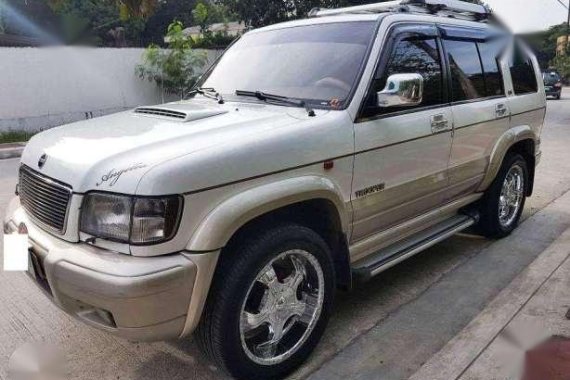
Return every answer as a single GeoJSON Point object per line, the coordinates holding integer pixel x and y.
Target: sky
{"type": "Point", "coordinates": [524, 16]}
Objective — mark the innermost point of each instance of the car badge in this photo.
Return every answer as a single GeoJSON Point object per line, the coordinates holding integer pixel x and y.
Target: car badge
{"type": "Point", "coordinates": [42, 161]}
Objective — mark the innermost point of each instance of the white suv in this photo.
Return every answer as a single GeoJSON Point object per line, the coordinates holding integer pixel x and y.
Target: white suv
{"type": "Point", "coordinates": [312, 155]}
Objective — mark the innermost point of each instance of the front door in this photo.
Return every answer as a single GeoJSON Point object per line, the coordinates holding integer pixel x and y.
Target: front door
{"type": "Point", "coordinates": [402, 153]}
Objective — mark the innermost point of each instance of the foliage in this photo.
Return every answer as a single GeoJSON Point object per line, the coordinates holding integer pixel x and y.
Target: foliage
{"type": "Point", "coordinates": [136, 8]}
{"type": "Point", "coordinates": [205, 14]}
{"type": "Point", "coordinates": [562, 65]}
{"type": "Point", "coordinates": [100, 22]}
{"type": "Point", "coordinates": [15, 136]}
{"type": "Point", "coordinates": [217, 40]}
{"type": "Point", "coordinates": [544, 43]}
{"type": "Point", "coordinates": [175, 69]}
{"type": "Point", "coordinates": [257, 13]}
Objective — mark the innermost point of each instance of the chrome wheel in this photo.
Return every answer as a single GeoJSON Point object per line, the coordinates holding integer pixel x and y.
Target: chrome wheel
{"type": "Point", "coordinates": [512, 196]}
{"type": "Point", "coordinates": [282, 307]}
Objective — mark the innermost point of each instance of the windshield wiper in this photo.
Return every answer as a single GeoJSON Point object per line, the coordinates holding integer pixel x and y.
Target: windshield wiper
{"type": "Point", "coordinates": [208, 92]}
{"type": "Point", "coordinates": [264, 96]}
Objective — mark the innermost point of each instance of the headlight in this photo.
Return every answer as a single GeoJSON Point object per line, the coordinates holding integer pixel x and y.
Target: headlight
{"type": "Point", "coordinates": [134, 220]}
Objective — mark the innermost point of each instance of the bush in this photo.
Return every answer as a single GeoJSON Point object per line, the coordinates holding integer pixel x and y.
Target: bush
{"type": "Point", "coordinates": [15, 136]}
{"type": "Point", "coordinates": [176, 68]}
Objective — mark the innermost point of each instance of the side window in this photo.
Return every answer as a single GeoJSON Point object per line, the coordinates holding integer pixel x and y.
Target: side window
{"type": "Point", "coordinates": [522, 72]}
{"type": "Point", "coordinates": [467, 79]}
{"type": "Point", "coordinates": [415, 55]}
{"type": "Point", "coordinates": [491, 52]}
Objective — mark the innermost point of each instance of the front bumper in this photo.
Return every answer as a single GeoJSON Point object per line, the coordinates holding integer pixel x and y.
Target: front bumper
{"type": "Point", "coordinates": [138, 298]}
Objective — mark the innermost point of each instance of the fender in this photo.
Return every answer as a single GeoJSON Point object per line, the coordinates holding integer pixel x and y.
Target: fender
{"type": "Point", "coordinates": [222, 223]}
{"type": "Point", "coordinates": [504, 143]}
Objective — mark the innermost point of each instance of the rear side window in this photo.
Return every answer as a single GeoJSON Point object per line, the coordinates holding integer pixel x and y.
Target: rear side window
{"type": "Point", "coordinates": [416, 55]}
{"type": "Point", "coordinates": [467, 78]}
{"type": "Point", "coordinates": [522, 72]}
{"type": "Point", "coordinates": [490, 54]}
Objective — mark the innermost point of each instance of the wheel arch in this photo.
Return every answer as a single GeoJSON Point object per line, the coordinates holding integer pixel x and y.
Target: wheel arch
{"type": "Point", "coordinates": [521, 140]}
{"type": "Point", "coordinates": [312, 201]}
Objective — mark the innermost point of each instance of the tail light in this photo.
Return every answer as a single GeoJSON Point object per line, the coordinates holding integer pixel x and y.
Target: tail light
{"type": "Point", "coordinates": [558, 85]}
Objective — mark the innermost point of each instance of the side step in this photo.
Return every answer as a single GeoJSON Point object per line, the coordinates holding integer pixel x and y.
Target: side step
{"type": "Point", "coordinates": [396, 253]}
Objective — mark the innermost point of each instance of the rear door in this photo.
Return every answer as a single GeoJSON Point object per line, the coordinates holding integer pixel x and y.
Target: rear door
{"type": "Point", "coordinates": [400, 166]}
{"type": "Point", "coordinates": [479, 104]}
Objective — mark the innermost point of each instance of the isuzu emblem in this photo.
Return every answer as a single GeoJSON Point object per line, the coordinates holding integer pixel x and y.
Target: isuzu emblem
{"type": "Point", "coordinates": [42, 161]}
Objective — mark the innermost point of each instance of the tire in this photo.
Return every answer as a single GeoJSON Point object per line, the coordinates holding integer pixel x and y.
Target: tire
{"type": "Point", "coordinates": [239, 287]}
{"type": "Point", "coordinates": [559, 96]}
{"type": "Point", "coordinates": [495, 222]}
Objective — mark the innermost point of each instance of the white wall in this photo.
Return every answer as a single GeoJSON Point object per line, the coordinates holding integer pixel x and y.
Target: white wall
{"type": "Point", "coordinates": [45, 87]}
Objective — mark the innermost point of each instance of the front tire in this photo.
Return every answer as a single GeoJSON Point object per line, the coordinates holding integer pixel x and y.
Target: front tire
{"type": "Point", "coordinates": [503, 203]}
{"type": "Point", "coordinates": [269, 303]}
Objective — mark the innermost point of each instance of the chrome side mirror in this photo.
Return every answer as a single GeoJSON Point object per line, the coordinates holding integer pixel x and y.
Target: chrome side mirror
{"type": "Point", "coordinates": [402, 90]}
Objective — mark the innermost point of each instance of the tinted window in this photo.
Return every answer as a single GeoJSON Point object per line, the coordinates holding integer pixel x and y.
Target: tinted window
{"type": "Point", "coordinates": [522, 72]}
{"type": "Point", "coordinates": [490, 54]}
{"type": "Point", "coordinates": [467, 80]}
{"type": "Point", "coordinates": [416, 56]}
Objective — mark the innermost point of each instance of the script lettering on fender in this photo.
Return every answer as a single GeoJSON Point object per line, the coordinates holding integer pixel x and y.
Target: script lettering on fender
{"type": "Point", "coordinates": [113, 176]}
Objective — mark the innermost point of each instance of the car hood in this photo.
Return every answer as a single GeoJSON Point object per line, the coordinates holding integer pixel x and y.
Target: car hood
{"type": "Point", "coordinates": [112, 153]}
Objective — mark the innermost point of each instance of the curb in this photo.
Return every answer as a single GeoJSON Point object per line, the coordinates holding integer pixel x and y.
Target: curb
{"type": "Point", "coordinates": [12, 150]}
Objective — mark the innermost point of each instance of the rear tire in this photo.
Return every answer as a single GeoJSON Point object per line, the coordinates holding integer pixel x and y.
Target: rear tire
{"type": "Point", "coordinates": [503, 203]}
{"type": "Point", "coordinates": [269, 303]}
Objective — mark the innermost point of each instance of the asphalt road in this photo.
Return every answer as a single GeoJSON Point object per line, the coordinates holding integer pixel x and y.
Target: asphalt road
{"type": "Point", "coordinates": [386, 328]}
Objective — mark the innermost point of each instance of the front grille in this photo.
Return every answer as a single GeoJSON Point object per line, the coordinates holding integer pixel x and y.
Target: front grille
{"type": "Point", "coordinates": [46, 200]}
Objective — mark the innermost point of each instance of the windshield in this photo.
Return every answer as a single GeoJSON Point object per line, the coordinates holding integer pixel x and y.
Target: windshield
{"type": "Point", "coordinates": [317, 63]}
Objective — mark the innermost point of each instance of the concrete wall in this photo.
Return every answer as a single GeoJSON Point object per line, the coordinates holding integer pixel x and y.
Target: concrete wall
{"type": "Point", "coordinates": [46, 87]}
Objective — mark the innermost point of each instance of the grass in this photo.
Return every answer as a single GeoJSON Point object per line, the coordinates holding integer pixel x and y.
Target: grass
{"type": "Point", "coordinates": [15, 136]}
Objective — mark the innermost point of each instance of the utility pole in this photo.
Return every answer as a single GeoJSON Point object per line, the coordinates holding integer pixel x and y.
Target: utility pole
{"type": "Point", "coordinates": [568, 32]}
{"type": "Point", "coordinates": [568, 24]}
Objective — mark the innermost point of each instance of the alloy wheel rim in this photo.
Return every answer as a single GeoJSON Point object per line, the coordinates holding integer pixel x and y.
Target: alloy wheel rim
{"type": "Point", "coordinates": [512, 195]}
{"type": "Point", "coordinates": [282, 307]}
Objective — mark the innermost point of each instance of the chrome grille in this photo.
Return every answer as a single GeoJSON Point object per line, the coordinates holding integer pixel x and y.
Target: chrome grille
{"type": "Point", "coordinates": [46, 200]}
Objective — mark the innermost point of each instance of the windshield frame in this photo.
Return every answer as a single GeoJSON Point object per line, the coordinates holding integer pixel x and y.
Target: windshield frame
{"type": "Point", "coordinates": [310, 102]}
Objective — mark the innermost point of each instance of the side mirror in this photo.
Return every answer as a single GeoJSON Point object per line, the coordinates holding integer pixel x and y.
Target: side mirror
{"type": "Point", "coordinates": [402, 90]}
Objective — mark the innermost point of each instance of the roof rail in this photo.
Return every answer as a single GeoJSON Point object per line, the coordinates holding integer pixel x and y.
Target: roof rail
{"type": "Point", "coordinates": [448, 8]}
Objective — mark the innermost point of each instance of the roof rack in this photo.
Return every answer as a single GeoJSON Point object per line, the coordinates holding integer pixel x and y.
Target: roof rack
{"type": "Point", "coordinates": [446, 8]}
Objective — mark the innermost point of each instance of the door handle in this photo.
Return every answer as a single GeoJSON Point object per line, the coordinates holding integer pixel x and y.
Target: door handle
{"type": "Point", "coordinates": [501, 110]}
{"type": "Point", "coordinates": [439, 124]}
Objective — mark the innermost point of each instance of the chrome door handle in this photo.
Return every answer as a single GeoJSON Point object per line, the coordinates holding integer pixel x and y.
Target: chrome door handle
{"type": "Point", "coordinates": [501, 110]}
{"type": "Point", "coordinates": [439, 123]}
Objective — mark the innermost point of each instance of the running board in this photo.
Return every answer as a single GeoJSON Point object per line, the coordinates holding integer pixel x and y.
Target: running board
{"type": "Point", "coordinates": [396, 253]}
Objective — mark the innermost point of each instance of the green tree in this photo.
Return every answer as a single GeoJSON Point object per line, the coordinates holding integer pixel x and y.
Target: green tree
{"type": "Point", "coordinates": [562, 65]}
{"type": "Point", "coordinates": [175, 69]}
{"type": "Point", "coordinates": [103, 22]}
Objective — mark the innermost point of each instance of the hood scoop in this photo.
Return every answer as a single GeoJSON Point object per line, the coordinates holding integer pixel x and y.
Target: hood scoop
{"type": "Point", "coordinates": [176, 112]}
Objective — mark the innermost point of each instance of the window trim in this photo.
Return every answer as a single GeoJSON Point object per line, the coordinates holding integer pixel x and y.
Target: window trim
{"type": "Point", "coordinates": [393, 34]}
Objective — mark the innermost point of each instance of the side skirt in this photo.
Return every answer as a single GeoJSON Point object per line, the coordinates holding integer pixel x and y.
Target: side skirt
{"type": "Point", "coordinates": [387, 257]}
